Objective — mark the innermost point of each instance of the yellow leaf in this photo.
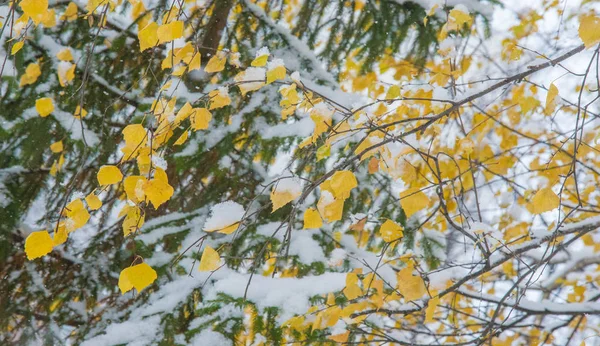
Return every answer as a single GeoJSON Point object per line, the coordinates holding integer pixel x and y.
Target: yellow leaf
{"type": "Point", "coordinates": [49, 19]}
{"type": "Point", "coordinates": [79, 112]}
{"type": "Point", "coordinates": [32, 72]}
{"type": "Point", "coordinates": [277, 73]}
{"type": "Point", "coordinates": [430, 311]}
{"type": "Point", "coordinates": [38, 244]}
{"type": "Point", "coordinates": [332, 315]}
{"type": "Point", "coordinates": [182, 138]}
{"type": "Point", "coordinates": [158, 191]}
{"type": "Point", "coordinates": [133, 219]}
{"type": "Point", "coordinates": [393, 92]}
{"type": "Point", "coordinates": [543, 201]}
{"type": "Point", "coordinates": [65, 72]}
{"type": "Point", "coordinates": [195, 62]}
{"type": "Point", "coordinates": [108, 175]}
{"type": "Point", "coordinates": [65, 55]}
{"type": "Point", "coordinates": [216, 63]}
{"type": "Point", "coordinates": [230, 229]}
{"type": "Point", "coordinates": [178, 71]}
{"type": "Point", "coordinates": [352, 290]}
{"type": "Point", "coordinates": [342, 182]}
{"type": "Point", "coordinates": [411, 287]}
{"type": "Point", "coordinates": [281, 197]}
{"type": "Point", "coordinates": [148, 36]}
{"type": "Point", "coordinates": [44, 106]}
{"type": "Point", "coordinates": [551, 98]}
{"type": "Point", "coordinates": [93, 202]}
{"type": "Point", "coordinates": [134, 188]}
{"type": "Point", "coordinates": [34, 9]}
{"type": "Point", "coordinates": [56, 147]}
{"type": "Point", "coordinates": [60, 235]}
{"type": "Point", "coordinates": [77, 215]}
{"type": "Point", "coordinates": [135, 137]}
{"type": "Point", "coordinates": [201, 117]}
{"type": "Point", "coordinates": [170, 32]}
{"type": "Point", "coordinates": [70, 13]}
{"type": "Point", "coordinates": [210, 260]}
{"type": "Point", "coordinates": [413, 200]}
{"type": "Point", "coordinates": [139, 276]}
{"type": "Point", "coordinates": [340, 338]}
{"type": "Point", "coordinates": [16, 47]}
{"type": "Point", "coordinates": [219, 98]}
{"type": "Point", "coordinates": [390, 231]}
{"type": "Point", "coordinates": [260, 61]}
{"type": "Point", "coordinates": [184, 53]}
{"type": "Point", "coordinates": [312, 219]}
{"type": "Point", "coordinates": [323, 152]}
{"type": "Point", "coordinates": [589, 29]}
{"type": "Point", "coordinates": [459, 17]}
{"type": "Point", "coordinates": [330, 210]}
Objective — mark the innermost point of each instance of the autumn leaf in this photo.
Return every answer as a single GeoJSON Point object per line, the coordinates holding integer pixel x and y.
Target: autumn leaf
{"type": "Point", "coordinates": [201, 117]}
{"type": "Point", "coordinates": [390, 231]}
{"type": "Point", "coordinates": [413, 200]}
{"type": "Point", "coordinates": [544, 200]}
{"type": "Point", "coordinates": [277, 73]}
{"type": "Point", "coordinates": [134, 219]}
{"type": "Point", "coordinates": [93, 202]}
{"type": "Point", "coordinates": [169, 32]}
{"type": "Point", "coordinates": [284, 192]}
{"type": "Point", "coordinates": [148, 36]}
{"type": "Point", "coordinates": [158, 189]}
{"type": "Point", "coordinates": [409, 285]}
{"type": "Point", "coordinates": [65, 55]}
{"type": "Point", "coordinates": [38, 244]}
{"type": "Point", "coordinates": [431, 307]}
{"type": "Point", "coordinates": [551, 98]}
{"type": "Point", "coordinates": [60, 235]}
{"type": "Point", "coordinates": [44, 106]}
{"type": "Point", "coordinates": [352, 289]}
{"type": "Point", "coordinates": [219, 98]}
{"type": "Point", "coordinates": [16, 48]}
{"type": "Point", "coordinates": [210, 260]}
{"type": "Point", "coordinates": [312, 219]}
{"type": "Point", "coordinates": [108, 175]}
{"type": "Point", "coordinates": [77, 215]}
{"type": "Point", "coordinates": [138, 276]}
{"type": "Point", "coordinates": [34, 9]}
{"type": "Point", "coordinates": [342, 182]}
{"type": "Point", "coordinates": [589, 29]}
{"type": "Point", "coordinates": [56, 147]}
{"type": "Point", "coordinates": [216, 63]}
{"type": "Point", "coordinates": [32, 73]}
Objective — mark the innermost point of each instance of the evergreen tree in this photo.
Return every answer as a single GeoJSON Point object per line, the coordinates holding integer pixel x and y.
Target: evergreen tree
{"type": "Point", "coordinates": [280, 171]}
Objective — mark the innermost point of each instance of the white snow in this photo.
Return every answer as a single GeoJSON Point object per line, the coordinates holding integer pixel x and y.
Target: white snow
{"type": "Point", "coordinates": [223, 215]}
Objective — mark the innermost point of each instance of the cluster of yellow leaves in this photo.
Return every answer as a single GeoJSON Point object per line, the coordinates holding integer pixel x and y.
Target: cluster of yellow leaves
{"type": "Point", "coordinates": [187, 55]}
{"type": "Point", "coordinates": [37, 11]}
{"type": "Point", "coordinates": [153, 34]}
{"type": "Point", "coordinates": [457, 19]}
